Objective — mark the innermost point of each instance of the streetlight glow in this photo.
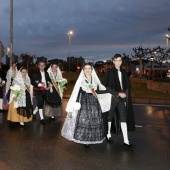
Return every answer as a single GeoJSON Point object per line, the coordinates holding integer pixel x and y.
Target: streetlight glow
{"type": "Point", "coordinates": [70, 32]}
{"type": "Point", "coordinates": [167, 36]}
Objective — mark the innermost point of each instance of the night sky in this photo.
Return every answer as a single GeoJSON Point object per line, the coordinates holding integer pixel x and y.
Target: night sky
{"type": "Point", "coordinates": [101, 27]}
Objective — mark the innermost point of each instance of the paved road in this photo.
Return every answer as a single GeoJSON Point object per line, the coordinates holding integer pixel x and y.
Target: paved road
{"type": "Point", "coordinates": [39, 147]}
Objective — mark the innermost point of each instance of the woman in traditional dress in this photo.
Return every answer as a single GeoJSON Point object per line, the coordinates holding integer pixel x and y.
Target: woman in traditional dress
{"type": "Point", "coordinates": [2, 84]}
{"type": "Point", "coordinates": [20, 104]}
{"type": "Point", "coordinates": [55, 94]}
{"type": "Point", "coordinates": [84, 122]}
{"type": "Point", "coordinates": [11, 73]}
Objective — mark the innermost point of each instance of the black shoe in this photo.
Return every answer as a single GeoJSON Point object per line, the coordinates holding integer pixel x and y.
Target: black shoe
{"type": "Point", "coordinates": [109, 140]}
{"type": "Point", "coordinates": [34, 117]}
{"type": "Point", "coordinates": [43, 121]}
{"type": "Point", "coordinates": [13, 124]}
{"type": "Point", "coordinates": [87, 145]}
{"type": "Point", "coordinates": [129, 145]}
{"type": "Point", "coordinates": [52, 118]}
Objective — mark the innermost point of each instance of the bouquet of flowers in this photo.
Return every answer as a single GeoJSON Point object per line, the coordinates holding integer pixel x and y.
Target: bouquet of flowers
{"type": "Point", "coordinates": [62, 84]}
{"type": "Point", "coordinates": [16, 89]}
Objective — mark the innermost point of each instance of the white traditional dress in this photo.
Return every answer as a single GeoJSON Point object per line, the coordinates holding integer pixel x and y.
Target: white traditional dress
{"type": "Point", "coordinates": [85, 125]}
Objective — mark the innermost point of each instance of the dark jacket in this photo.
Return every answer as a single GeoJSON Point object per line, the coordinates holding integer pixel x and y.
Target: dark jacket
{"type": "Point", "coordinates": [112, 84]}
{"type": "Point", "coordinates": [3, 78]}
{"type": "Point", "coordinates": [37, 78]}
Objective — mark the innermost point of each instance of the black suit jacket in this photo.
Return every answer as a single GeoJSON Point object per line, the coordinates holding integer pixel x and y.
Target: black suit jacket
{"type": "Point", "coordinates": [112, 84]}
{"type": "Point", "coordinates": [112, 81]}
{"type": "Point", "coordinates": [37, 78]}
{"type": "Point", "coordinates": [3, 78]}
{"type": "Point", "coordinates": [2, 75]}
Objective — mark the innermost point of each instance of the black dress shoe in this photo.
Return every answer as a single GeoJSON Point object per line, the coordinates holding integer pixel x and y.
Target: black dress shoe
{"type": "Point", "coordinates": [87, 145]}
{"type": "Point", "coordinates": [52, 118]}
{"type": "Point", "coordinates": [43, 121]}
{"type": "Point", "coordinates": [128, 145]}
{"type": "Point", "coordinates": [109, 140]}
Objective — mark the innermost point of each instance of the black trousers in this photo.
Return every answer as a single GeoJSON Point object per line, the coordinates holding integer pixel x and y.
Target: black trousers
{"type": "Point", "coordinates": [117, 107]}
{"type": "Point", "coordinates": [41, 96]}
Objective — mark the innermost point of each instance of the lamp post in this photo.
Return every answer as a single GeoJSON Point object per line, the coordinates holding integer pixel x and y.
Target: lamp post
{"type": "Point", "coordinates": [70, 33]}
{"type": "Point", "coordinates": [11, 31]}
{"type": "Point", "coordinates": [151, 60]}
{"type": "Point", "coordinates": [167, 39]}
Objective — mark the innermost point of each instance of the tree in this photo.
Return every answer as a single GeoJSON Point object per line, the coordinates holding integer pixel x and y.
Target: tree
{"type": "Point", "coordinates": [160, 55]}
{"type": "Point", "coordinates": [141, 55]}
{"type": "Point", "coordinates": [169, 28]}
{"type": "Point", "coordinates": [1, 51]}
{"type": "Point", "coordinates": [26, 60]}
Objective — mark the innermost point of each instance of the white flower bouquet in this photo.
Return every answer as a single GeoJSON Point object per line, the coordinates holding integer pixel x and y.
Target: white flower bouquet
{"type": "Point", "coordinates": [62, 84]}
{"type": "Point", "coordinates": [16, 89]}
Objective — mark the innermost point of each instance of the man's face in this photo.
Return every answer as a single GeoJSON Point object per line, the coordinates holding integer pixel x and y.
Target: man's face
{"type": "Point", "coordinates": [117, 62]}
{"type": "Point", "coordinates": [41, 66]}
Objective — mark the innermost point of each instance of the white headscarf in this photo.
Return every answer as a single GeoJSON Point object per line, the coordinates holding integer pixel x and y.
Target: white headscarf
{"type": "Point", "coordinates": [21, 100]}
{"type": "Point", "coordinates": [59, 74]}
{"type": "Point", "coordinates": [102, 99]}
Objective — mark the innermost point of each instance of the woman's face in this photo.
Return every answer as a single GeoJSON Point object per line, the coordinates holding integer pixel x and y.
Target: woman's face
{"type": "Point", "coordinates": [24, 73]}
{"type": "Point", "coordinates": [14, 66]}
{"type": "Point", "coordinates": [87, 70]}
{"type": "Point", "coordinates": [54, 67]}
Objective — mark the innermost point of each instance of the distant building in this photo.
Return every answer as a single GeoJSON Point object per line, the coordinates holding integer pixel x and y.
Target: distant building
{"type": "Point", "coordinates": [74, 62]}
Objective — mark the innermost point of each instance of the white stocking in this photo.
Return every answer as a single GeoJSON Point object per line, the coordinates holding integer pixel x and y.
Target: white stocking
{"type": "Point", "coordinates": [124, 131]}
{"type": "Point", "coordinates": [109, 130]}
{"type": "Point", "coordinates": [35, 110]}
{"type": "Point", "coordinates": [41, 114]}
{"type": "Point", "coordinates": [22, 123]}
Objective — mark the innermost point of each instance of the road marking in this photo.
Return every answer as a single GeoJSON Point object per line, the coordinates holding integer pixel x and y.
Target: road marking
{"type": "Point", "coordinates": [138, 126]}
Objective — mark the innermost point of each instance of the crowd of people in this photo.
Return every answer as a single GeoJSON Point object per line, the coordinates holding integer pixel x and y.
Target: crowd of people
{"type": "Point", "coordinates": [94, 110]}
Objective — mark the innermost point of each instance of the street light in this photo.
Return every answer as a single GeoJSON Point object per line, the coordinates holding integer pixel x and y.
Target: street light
{"type": "Point", "coordinates": [167, 38]}
{"type": "Point", "coordinates": [9, 52]}
{"type": "Point", "coordinates": [151, 60]}
{"type": "Point", "coordinates": [70, 33]}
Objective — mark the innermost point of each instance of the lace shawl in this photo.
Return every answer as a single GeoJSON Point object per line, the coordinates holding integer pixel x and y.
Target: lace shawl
{"type": "Point", "coordinates": [10, 74]}
{"type": "Point", "coordinates": [21, 100]}
{"type": "Point", "coordinates": [104, 99]}
{"type": "Point", "coordinates": [57, 78]}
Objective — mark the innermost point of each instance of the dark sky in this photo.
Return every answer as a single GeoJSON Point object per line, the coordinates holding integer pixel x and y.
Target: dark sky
{"type": "Point", "coordinates": [101, 27]}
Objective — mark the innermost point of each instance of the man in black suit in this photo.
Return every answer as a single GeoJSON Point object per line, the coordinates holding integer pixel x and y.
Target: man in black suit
{"type": "Point", "coordinates": [121, 112]}
{"type": "Point", "coordinates": [41, 82]}
{"type": "Point", "coordinates": [2, 82]}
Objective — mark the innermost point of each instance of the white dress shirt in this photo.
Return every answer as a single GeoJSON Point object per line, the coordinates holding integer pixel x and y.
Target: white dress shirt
{"type": "Point", "coordinates": [43, 78]}
{"type": "Point", "coordinates": [120, 78]}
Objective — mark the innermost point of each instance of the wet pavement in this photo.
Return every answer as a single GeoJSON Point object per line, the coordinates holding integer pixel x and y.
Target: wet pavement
{"type": "Point", "coordinates": [39, 147]}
